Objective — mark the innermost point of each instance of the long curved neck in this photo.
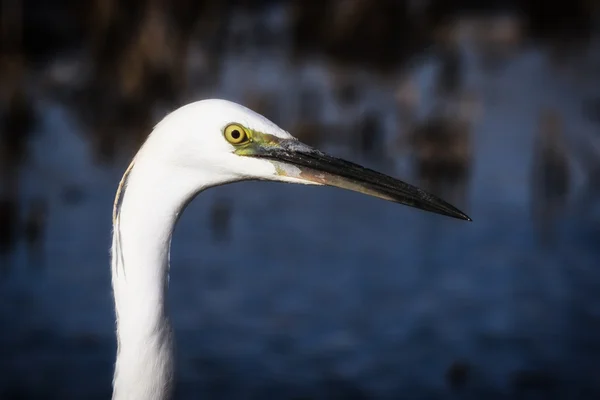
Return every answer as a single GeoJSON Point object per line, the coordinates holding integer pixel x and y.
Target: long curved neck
{"type": "Point", "coordinates": [142, 231]}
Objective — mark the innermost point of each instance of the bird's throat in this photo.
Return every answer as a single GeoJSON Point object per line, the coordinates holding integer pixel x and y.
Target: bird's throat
{"type": "Point", "coordinates": [140, 266]}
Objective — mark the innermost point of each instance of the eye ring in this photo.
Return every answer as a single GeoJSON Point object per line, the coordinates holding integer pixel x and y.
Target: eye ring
{"type": "Point", "coordinates": [236, 134]}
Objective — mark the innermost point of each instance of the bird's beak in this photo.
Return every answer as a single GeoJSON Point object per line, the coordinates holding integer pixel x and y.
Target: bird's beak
{"type": "Point", "coordinates": [313, 166]}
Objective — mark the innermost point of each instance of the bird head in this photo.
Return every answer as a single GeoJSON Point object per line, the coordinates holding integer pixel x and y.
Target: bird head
{"type": "Point", "coordinates": [213, 142]}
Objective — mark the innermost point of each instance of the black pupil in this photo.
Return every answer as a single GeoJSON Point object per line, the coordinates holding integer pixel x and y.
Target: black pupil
{"type": "Point", "coordinates": [236, 134]}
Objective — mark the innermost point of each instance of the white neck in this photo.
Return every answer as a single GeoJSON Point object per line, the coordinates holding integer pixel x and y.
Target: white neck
{"type": "Point", "coordinates": [142, 233]}
{"type": "Point", "coordinates": [184, 155]}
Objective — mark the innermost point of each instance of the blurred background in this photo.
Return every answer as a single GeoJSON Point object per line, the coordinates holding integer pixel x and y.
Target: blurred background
{"type": "Point", "coordinates": [287, 292]}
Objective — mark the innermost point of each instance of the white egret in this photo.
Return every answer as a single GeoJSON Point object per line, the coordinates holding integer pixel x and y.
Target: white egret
{"type": "Point", "coordinates": [200, 145]}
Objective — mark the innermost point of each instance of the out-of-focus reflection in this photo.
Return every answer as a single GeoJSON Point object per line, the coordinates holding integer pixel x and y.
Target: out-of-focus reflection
{"type": "Point", "coordinates": [551, 175]}
{"type": "Point", "coordinates": [220, 219]}
{"type": "Point", "coordinates": [34, 231]}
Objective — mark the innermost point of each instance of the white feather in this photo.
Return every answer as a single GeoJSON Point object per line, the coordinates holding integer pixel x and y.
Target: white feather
{"type": "Point", "coordinates": [185, 154]}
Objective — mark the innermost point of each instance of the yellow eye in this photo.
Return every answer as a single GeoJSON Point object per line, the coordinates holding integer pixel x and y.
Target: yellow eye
{"type": "Point", "coordinates": [236, 134]}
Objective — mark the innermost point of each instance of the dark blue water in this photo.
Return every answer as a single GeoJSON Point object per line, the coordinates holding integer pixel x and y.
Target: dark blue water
{"type": "Point", "coordinates": [323, 293]}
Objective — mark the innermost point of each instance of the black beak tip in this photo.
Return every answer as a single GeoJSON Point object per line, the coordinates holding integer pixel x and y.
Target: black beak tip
{"type": "Point", "coordinates": [457, 215]}
{"type": "Point", "coordinates": [453, 212]}
{"type": "Point", "coordinates": [461, 215]}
